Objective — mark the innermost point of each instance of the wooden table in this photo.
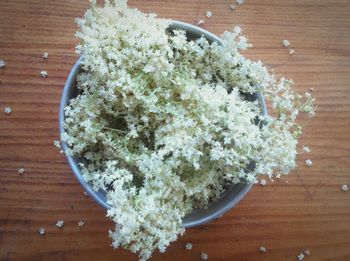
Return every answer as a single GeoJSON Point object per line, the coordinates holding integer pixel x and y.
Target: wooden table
{"type": "Point", "coordinates": [310, 212]}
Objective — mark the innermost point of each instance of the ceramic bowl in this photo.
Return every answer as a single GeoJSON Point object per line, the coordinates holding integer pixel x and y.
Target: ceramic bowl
{"type": "Point", "coordinates": [198, 216]}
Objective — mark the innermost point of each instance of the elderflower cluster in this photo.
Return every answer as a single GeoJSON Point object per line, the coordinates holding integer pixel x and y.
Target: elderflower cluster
{"type": "Point", "coordinates": [162, 123]}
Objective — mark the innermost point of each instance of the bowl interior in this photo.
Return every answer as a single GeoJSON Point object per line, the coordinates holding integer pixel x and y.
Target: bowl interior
{"type": "Point", "coordinates": [198, 216]}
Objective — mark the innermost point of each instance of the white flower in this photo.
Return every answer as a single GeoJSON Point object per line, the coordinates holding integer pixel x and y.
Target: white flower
{"type": "Point", "coordinates": [41, 231]}
{"type": "Point", "coordinates": [81, 223]}
{"type": "Point", "coordinates": [204, 256]}
{"type": "Point", "coordinates": [7, 110]}
{"type": "Point", "coordinates": [43, 74]}
{"type": "Point", "coordinates": [209, 14]}
{"type": "Point", "coordinates": [344, 187]}
{"type": "Point", "coordinates": [57, 144]}
{"type": "Point", "coordinates": [300, 257]}
{"type": "Point", "coordinates": [60, 223]}
{"type": "Point", "coordinates": [307, 252]}
{"type": "Point", "coordinates": [306, 149]}
{"type": "Point", "coordinates": [285, 43]}
{"type": "Point", "coordinates": [45, 55]}
{"type": "Point", "coordinates": [263, 182]}
{"type": "Point", "coordinates": [308, 162]}
{"type": "Point", "coordinates": [188, 246]}
{"type": "Point", "coordinates": [262, 249]}
{"type": "Point", "coordinates": [2, 64]}
{"type": "Point", "coordinates": [200, 22]}
{"type": "Point", "coordinates": [239, 2]}
{"type": "Point", "coordinates": [21, 171]}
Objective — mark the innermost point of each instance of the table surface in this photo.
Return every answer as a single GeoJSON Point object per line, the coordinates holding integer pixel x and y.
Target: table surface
{"type": "Point", "coordinates": [310, 212]}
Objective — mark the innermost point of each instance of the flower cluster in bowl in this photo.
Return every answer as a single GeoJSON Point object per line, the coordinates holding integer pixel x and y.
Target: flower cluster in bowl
{"type": "Point", "coordinates": [162, 124]}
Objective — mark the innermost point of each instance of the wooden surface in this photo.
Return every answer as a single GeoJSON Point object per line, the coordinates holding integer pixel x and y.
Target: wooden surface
{"type": "Point", "coordinates": [310, 212]}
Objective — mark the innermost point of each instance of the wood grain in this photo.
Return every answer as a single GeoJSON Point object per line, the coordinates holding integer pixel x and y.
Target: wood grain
{"type": "Point", "coordinates": [310, 212]}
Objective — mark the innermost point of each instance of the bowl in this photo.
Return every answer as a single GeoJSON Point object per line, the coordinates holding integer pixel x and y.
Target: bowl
{"type": "Point", "coordinates": [198, 216]}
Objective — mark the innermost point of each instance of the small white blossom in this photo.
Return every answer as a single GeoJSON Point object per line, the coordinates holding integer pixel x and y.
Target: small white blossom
{"type": "Point", "coordinates": [85, 194]}
{"type": "Point", "coordinates": [285, 43]}
{"type": "Point", "coordinates": [41, 231]}
{"type": "Point", "coordinates": [344, 187]}
{"type": "Point", "coordinates": [188, 246]}
{"type": "Point", "coordinates": [204, 256]}
{"type": "Point", "coordinates": [60, 223]}
{"type": "Point", "coordinates": [308, 162]}
{"type": "Point", "coordinates": [7, 110]}
{"type": "Point", "coordinates": [239, 2]}
{"type": "Point", "coordinates": [263, 182]}
{"type": "Point", "coordinates": [57, 144]}
{"type": "Point", "coordinates": [306, 149]}
{"type": "Point", "coordinates": [291, 51]}
{"type": "Point", "coordinates": [200, 22]}
{"type": "Point", "coordinates": [81, 223]}
{"type": "Point", "coordinates": [45, 55]}
{"type": "Point", "coordinates": [43, 74]}
{"type": "Point", "coordinates": [21, 171]}
{"type": "Point", "coordinates": [262, 249]}
{"type": "Point", "coordinates": [300, 257]}
{"type": "Point", "coordinates": [307, 252]}
{"type": "Point", "coordinates": [209, 14]}
{"type": "Point", "coordinates": [2, 64]}
{"type": "Point", "coordinates": [232, 7]}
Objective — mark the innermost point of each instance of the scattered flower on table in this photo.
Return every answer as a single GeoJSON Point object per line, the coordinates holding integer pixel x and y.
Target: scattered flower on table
{"type": "Point", "coordinates": [307, 252]}
{"type": "Point", "coordinates": [262, 249]}
{"type": "Point", "coordinates": [300, 257]}
{"type": "Point", "coordinates": [57, 144]}
{"type": "Point", "coordinates": [60, 223]}
{"type": "Point", "coordinates": [41, 231]}
{"type": "Point", "coordinates": [344, 187]}
{"type": "Point", "coordinates": [7, 110]}
{"type": "Point", "coordinates": [43, 74]}
{"type": "Point", "coordinates": [200, 22]}
{"type": "Point", "coordinates": [188, 246]}
{"type": "Point", "coordinates": [81, 223]}
{"type": "Point", "coordinates": [45, 55]}
{"type": "Point", "coordinates": [308, 162]}
{"type": "Point", "coordinates": [285, 43]}
{"type": "Point", "coordinates": [2, 64]}
{"type": "Point", "coordinates": [204, 256]}
{"type": "Point", "coordinates": [306, 149]}
{"type": "Point", "coordinates": [240, 2]}
{"type": "Point", "coordinates": [263, 182]}
{"type": "Point", "coordinates": [209, 14]}
{"type": "Point", "coordinates": [21, 171]}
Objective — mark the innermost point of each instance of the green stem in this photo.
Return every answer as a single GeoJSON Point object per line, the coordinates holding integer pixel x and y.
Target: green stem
{"type": "Point", "coordinates": [116, 130]}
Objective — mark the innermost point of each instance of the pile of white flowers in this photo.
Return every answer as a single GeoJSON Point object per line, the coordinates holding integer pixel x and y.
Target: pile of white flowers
{"type": "Point", "coordinates": [162, 125]}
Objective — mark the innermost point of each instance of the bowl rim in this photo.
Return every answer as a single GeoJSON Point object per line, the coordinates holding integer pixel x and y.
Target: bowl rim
{"type": "Point", "coordinates": [98, 195]}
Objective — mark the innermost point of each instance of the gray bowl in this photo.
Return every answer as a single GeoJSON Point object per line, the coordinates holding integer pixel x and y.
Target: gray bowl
{"type": "Point", "coordinates": [198, 216]}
